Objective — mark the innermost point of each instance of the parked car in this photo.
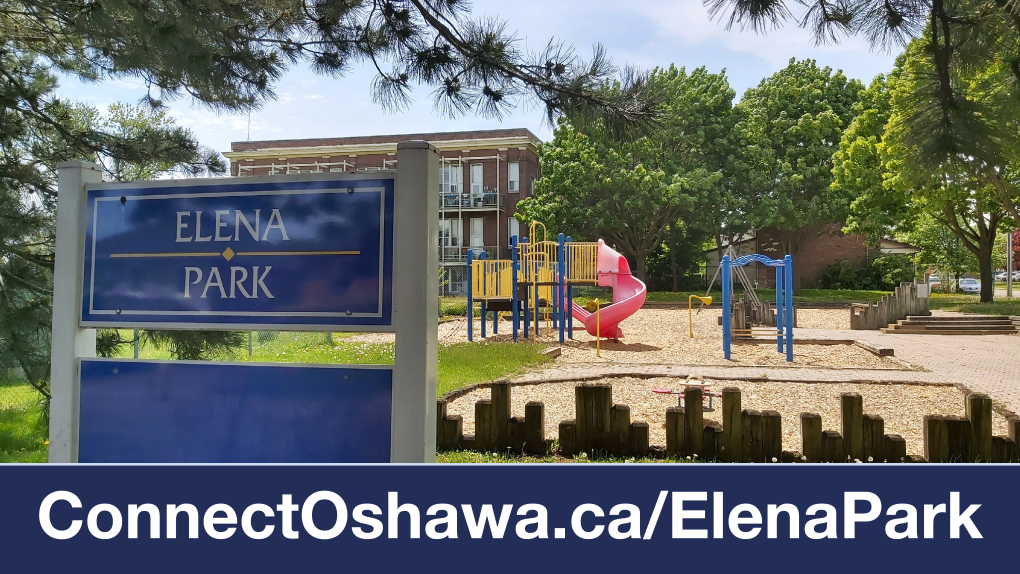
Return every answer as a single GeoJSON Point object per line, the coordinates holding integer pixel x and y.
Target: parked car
{"type": "Point", "coordinates": [934, 283]}
{"type": "Point", "coordinates": [970, 285]}
{"type": "Point", "coordinates": [1001, 276]}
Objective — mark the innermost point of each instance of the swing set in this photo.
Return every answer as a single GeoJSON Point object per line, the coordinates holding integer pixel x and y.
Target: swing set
{"type": "Point", "coordinates": [784, 303]}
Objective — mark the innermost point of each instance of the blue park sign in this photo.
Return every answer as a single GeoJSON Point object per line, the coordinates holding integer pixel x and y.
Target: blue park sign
{"type": "Point", "coordinates": [310, 254]}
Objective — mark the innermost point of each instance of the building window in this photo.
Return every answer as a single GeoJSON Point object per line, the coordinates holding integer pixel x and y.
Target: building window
{"type": "Point", "coordinates": [477, 235]}
{"type": "Point", "coordinates": [451, 178]}
{"type": "Point", "coordinates": [514, 176]}
{"type": "Point", "coordinates": [476, 179]}
{"type": "Point", "coordinates": [450, 231]}
{"type": "Point", "coordinates": [532, 186]}
{"type": "Point", "coordinates": [513, 228]}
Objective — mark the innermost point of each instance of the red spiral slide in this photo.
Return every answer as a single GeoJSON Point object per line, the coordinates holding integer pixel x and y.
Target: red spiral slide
{"type": "Point", "coordinates": [628, 295]}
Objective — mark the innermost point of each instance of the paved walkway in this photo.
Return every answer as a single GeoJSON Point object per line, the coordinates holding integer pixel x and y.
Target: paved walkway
{"type": "Point", "coordinates": [987, 363]}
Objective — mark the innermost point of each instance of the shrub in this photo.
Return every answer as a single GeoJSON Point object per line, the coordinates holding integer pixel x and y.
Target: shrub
{"type": "Point", "coordinates": [883, 273]}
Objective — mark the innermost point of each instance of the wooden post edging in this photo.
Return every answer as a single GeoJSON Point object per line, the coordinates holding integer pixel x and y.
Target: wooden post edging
{"type": "Point", "coordinates": [745, 435]}
{"type": "Point", "coordinates": [903, 303]}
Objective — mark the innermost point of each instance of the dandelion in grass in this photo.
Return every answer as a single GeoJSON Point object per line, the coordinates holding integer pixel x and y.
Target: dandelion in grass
{"type": "Point", "coordinates": [804, 458]}
{"type": "Point", "coordinates": [857, 461]}
{"type": "Point", "coordinates": [870, 459]}
{"type": "Point", "coordinates": [583, 456]}
{"type": "Point", "coordinates": [695, 457]}
{"type": "Point", "coordinates": [774, 459]}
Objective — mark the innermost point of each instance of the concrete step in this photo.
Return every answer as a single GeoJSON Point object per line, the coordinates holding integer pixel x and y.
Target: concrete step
{"type": "Point", "coordinates": [1007, 327]}
{"type": "Point", "coordinates": [955, 323]}
{"type": "Point", "coordinates": [913, 331]}
{"type": "Point", "coordinates": [957, 317]}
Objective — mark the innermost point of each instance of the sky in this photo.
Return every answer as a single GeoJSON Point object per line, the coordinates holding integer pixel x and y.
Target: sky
{"type": "Point", "coordinates": [643, 33]}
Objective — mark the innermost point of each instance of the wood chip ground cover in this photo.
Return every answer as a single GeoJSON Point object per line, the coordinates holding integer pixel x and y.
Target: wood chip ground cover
{"type": "Point", "coordinates": [901, 406]}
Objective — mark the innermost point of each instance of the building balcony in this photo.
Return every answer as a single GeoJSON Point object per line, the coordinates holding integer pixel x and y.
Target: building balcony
{"type": "Point", "coordinates": [459, 254]}
{"type": "Point", "coordinates": [471, 201]}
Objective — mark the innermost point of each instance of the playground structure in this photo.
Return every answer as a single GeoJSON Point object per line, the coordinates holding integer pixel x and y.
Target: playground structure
{"type": "Point", "coordinates": [537, 281]}
{"type": "Point", "coordinates": [783, 328]}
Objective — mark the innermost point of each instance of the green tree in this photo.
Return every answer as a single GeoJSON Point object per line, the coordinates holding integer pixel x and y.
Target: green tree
{"type": "Point", "coordinates": [30, 149]}
{"type": "Point", "coordinates": [630, 191]}
{"type": "Point", "coordinates": [941, 249]}
{"type": "Point", "coordinates": [953, 116]}
{"type": "Point", "coordinates": [790, 126]}
{"type": "Point", "coordinates": [229, 53]}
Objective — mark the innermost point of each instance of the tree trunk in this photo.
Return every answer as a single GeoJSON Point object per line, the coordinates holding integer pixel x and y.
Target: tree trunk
{"type": "Point", "coordinates": [639, 267]}
{"type": "Point", "coordinates": [672, 256]}
{"type": "Point", "coordinates": [793, 246]}
{"type": "Point", "coordinates": [987, 278]}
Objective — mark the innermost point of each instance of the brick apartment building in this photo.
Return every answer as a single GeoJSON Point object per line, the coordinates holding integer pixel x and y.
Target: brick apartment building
{"type": "Point", "coordinates": [482, 176]}
{"type": "Point", "coordinates": [829, 246]}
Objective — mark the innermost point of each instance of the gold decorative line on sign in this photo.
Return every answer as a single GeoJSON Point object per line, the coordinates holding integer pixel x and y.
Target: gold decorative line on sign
{"type": "Point", "coordinates": [130, 255]}
{"type": "Point", "coordinates": [298, 253]}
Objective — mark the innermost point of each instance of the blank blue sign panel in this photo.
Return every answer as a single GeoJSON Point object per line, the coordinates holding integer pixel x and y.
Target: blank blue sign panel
{"type": "Point", "coordinates": [179, 412]}
{"type": "Point", "coordinates": [305, 254]}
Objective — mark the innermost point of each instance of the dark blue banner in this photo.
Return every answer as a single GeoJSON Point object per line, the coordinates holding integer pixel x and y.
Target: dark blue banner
{"type": "Point", "coordinates": [240, 254]}
{"type": "Point", "coordinates": [511, 518]}
{"type": "Point", "coordinates": [198, 411]}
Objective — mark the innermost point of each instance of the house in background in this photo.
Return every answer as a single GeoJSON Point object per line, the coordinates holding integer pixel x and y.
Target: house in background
{"type": "Point", "coordinates": [482, 176]}
{"type": "Point", "coordinates": [826, 248]}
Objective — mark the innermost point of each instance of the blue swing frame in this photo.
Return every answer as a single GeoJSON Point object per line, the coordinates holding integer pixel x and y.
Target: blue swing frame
{"type": "Point", "coordinates": [784, 299]}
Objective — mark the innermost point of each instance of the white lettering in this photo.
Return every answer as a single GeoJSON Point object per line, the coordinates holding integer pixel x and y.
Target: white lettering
{"type": "Point", "coordinates": [486, 516]}
{"type": "Point", "coordinates": [214, 280]}
{"type": "Point", "coordinates": [308, 519]}
{"type": "Point", "coordinates": [633, 520]}
{"type": "Point", "coordinates": [182, 226]}
{"type": "Point", "coordinates": [188, 282]}
{"type": "Point", "coordinates": [238, 284]}
{"type": "Point", "coordinates": [360, 517]}
{"type": "Point", "coordinates": [910, 521]}
{"type": "Point", "coordinates": [578, 528]}
{"type": "Point", "coordinates": [829, 520]}
{"type": "Point", "coordinates": [286, 508]}
{"type": "Point", "coordinates": [172, 510]}
{"type": "Point", "coordinates": [930, 512]}
{"type": "Point", "coordinates": [541, 522]}
{"type": "Point", "coordinates": [198, 228]}
{"type": "Point", "coordinates": [93, 521]}
{"type": "Point", "coordinates": [850, 515]}
{"type": "Point", "coordinates": [256, 282]}
{"type": "Point", "coordinates": [736, 521]}
{"type": "Point", "coordinates": [44, 515]}
{"type": "Point", "coordinates": [246, 521]}
{"type": "Point", "coordinates": [448, 521]}
{"type": "Point", "coordinates": [956, 520]}
{"type": "Point", "coordinates": [134, 510]}
{"type": "Point", "coordinates": [275, 216]}
{"type": "Point", "coordinates": [210, 521]}
{"type": "Point", "coordinates": [220, 224]}
{"type": "Point", "coordinates": [679, 514]}
{"type": "Point", "coordinates": [393, 510]}
{"type": "Point", "coordinates": [773, 519]}
{"type": "Point", "coordinates": [239, 219]}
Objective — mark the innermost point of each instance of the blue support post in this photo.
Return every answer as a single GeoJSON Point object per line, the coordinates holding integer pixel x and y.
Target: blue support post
{"type": "Point", "coordinates": [514, 309]}
{"type": "Point", "coordinates": [726, 320]}
{"type": "Point", "coordinates": [788, 272]}
{"type": "Point", "coordinates": [560, 285]}
{"type": "Point", "coordinates": [471, 303]}
{"type": "Point", "coordinates": [527, 294]}
{"type": "Point", "coordinates": [570, 299]}
{"type": "Point", "coordinates": [538, 312]}
{"type": "Point", "coordinates": [779, 309]}
{"type": "Point", "coordinates": [485, 291]}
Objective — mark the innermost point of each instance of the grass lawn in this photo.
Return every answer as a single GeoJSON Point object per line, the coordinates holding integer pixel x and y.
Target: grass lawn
{"type": "Point", "coordinates": [972, 304]}
{"type": "Point", "coordinates": [460, 365]}
{"type": "Point", "coordinates": [23, 429]}
{"type": "Point", "coordinates": [468, 456]}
